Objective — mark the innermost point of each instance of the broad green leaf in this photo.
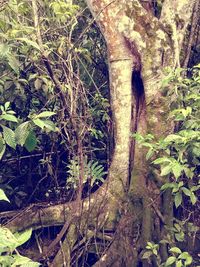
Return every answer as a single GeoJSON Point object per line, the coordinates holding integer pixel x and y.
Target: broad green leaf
{"type": "Point", "coordinates": [50, 125]}
{"type": "Point", "coordinates": [6, 260]}
{"type": "Point", "coordinates": [45, 114]}
{"type": "Point", "coordinates": [186, 191]}
{"type": "Point", "coordinates": [22, 132]}
{"type": "Point", "coordinates": [4, 50]}
{"type": "Point", "coordinates": [9, 117]}
{"type": "Point", "coordinates": [147, 255]}
{"type": "Point", "coordinates": [179, 263]}
{"type": "Point", "coordinates": [29, 42]}
{"type": "Point", "coordinates": [193, 198]}
{"type": "Point", "coordinates": [149, 154]}
{"type": "Point", "coordinates": [184, 255]}
{"type": "Point", "coordinates": [39, 123]}
{"type": "Point", "coordinates": [195, 188]}
{"type": "Point", "coordinates": [7, 105]}
{"type": "Point", "coordinates": [178, 199]}
{"type": "Point", "coordinates": [188, 260]}
{"type": "Point", "coordinates": [177, 227]}
{"type": "Point", "coordinates": [170, 261]}
{"type": "Point", "coordinates": [189, 173]}
{"type": "Point", "coordinates": [9, 136]}
{"type": "Point", "coordinates": [167, 185]}
{"type": "Point", "coordinates": [8, 240]}
{"type": "Point", "coordinates": [1, 143]}
{"type": "Point", "coordinates": [150, 244]}
{"type": "Point", "coordinates": [180, 184]}
{"type": "Point", "coordinates": [177, 169]}
{"type": "Point", "coordinates": [180, 236]}
{"type": "Point", "coordinates": [31, 141]}
{"type": "Point", "coordinates": [3, 149]}
{"type": "Point", "coordinates": [173, 137]}
{"type": "Point", "coordinates": [161, 160]}
{"type": "Point", "coordinates": [31, 264]}
{"type": "Point", "coordinates": [175, 250]}
{"type": "Point", "coordinates": [165, 170]}
{"type": "Point", "coordinates": [3, 197]}
{"type": "Point", "coordinates": [23, 262]}
{"type": "Point", "coordinates": [175, 189]}
{"type": "Point", "coordinates": [155, 252]}
{"type": "Point", "coordinates": [13, 63]}
{"type": "Point", "coordinates": [23, 237]}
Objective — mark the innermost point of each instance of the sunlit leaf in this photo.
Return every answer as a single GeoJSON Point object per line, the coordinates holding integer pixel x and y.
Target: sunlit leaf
{"type": "Point", "coordinates": [3, 196]}
{"type": "Point", "coordinates": [29, 42]}
{"type": "Point", "coordinates": [178, 199]}
{"type": "Point", "coordinates": [45, 114]}
{"type": "Point", "coordinates": [170, 261]}
{"type": "Point", "coordinates": [9, 117]}
{"type": "Point", "coordinates": [9, 136]}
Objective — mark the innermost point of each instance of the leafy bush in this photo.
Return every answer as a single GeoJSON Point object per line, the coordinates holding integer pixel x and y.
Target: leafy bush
{"type": "Point", "coordinates": [9, 256]}
{"type": "Point", "coordinates": [176, 159]}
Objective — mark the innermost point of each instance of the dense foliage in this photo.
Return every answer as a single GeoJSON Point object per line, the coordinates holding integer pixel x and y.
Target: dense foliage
{"type": "Point", "coordinates": [60, 112]}
{"type": "Point", "coordinates": [176, 158]}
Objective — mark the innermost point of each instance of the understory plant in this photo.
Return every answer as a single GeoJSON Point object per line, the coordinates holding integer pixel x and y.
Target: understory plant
{"type": "Point", "coordinates": [175, 161]}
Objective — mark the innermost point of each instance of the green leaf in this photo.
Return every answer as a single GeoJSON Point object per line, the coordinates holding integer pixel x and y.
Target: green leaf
{"type": "Point", "coordinates": [147, 255]}
{"type": "Point", "coordinates": [195, 188]}
{"type": "Point", "coordinates": [23, 237]}
{"type": "Point", "coordinates": [173, 137]}
{"type": "Point", "coordinates": [180, 236]}
{"type": "Point", "coordinates": [39, 123]}
{"type": "Point", "coordinates": [50, 125]}
{"type": "Point", "coordinates": [155, 252]}
{"type": "Point", "coordinates": [31, 142]}
{"type": "Point", "coordinates": [4, 50]}
{"type": "Point", "coordinates": [8, 240]}
{"type": "Point", "coordinates": [23, 262]}
{"type": "Point", "coordinates": [2, 151]}
{"type": "Point", "coordinates": [45, 114]}
{"type": "Point", "coordinates": [178, 199]}
{"type": "Point", "coordinates": [166, 170]}
{"type": "Point", "coordinates": [175, 250]}
{"type": "Point", "coordinates": [7, 105]}
{"type": "Point", "coordinates": [9, 117]}
{"type": "Point", "coordinates": [6, 260]}
{"type": "Point", "coordinates": [1, 143]}
{"type": "Point", "coordinates": [22, 132]}
{"type": "Point", "coordinates": [188, 260]}
{"type": "Point", "coordinates": [179, 264]}
{"type": "Point", "coordinates": [170, 261]}
{"type": "Point", "coordinates": [177, 169]}
{"type": "Point", "coordinates": [186, 191]}
{"type": "Point", "coordinates": [149, 154]}
{"type": "Point", "coordinates": [3, 196]}
{"type": "Point", "coordinates": [29, 42]}
{"type": "Point", "coordinates": [9, 136]}
{"type": "Point", "coordinates": [184, 255]}
{"type": "Point", "coordinates": [193, 198]}
{"type": "Point", "coordinates": [150, 244]}
{"type": "Point", "coordinates": [161, 160]}
{"type": "Point", "coordinates": [167, 185]}
{"type": "Point", "coordinates": [189, 173]}
{"type": "Point", "coordinates": [13, 63]}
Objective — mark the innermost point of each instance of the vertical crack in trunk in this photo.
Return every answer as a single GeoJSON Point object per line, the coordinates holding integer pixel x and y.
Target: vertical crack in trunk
{"type": "Point", "coordinates": [138, 106]}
